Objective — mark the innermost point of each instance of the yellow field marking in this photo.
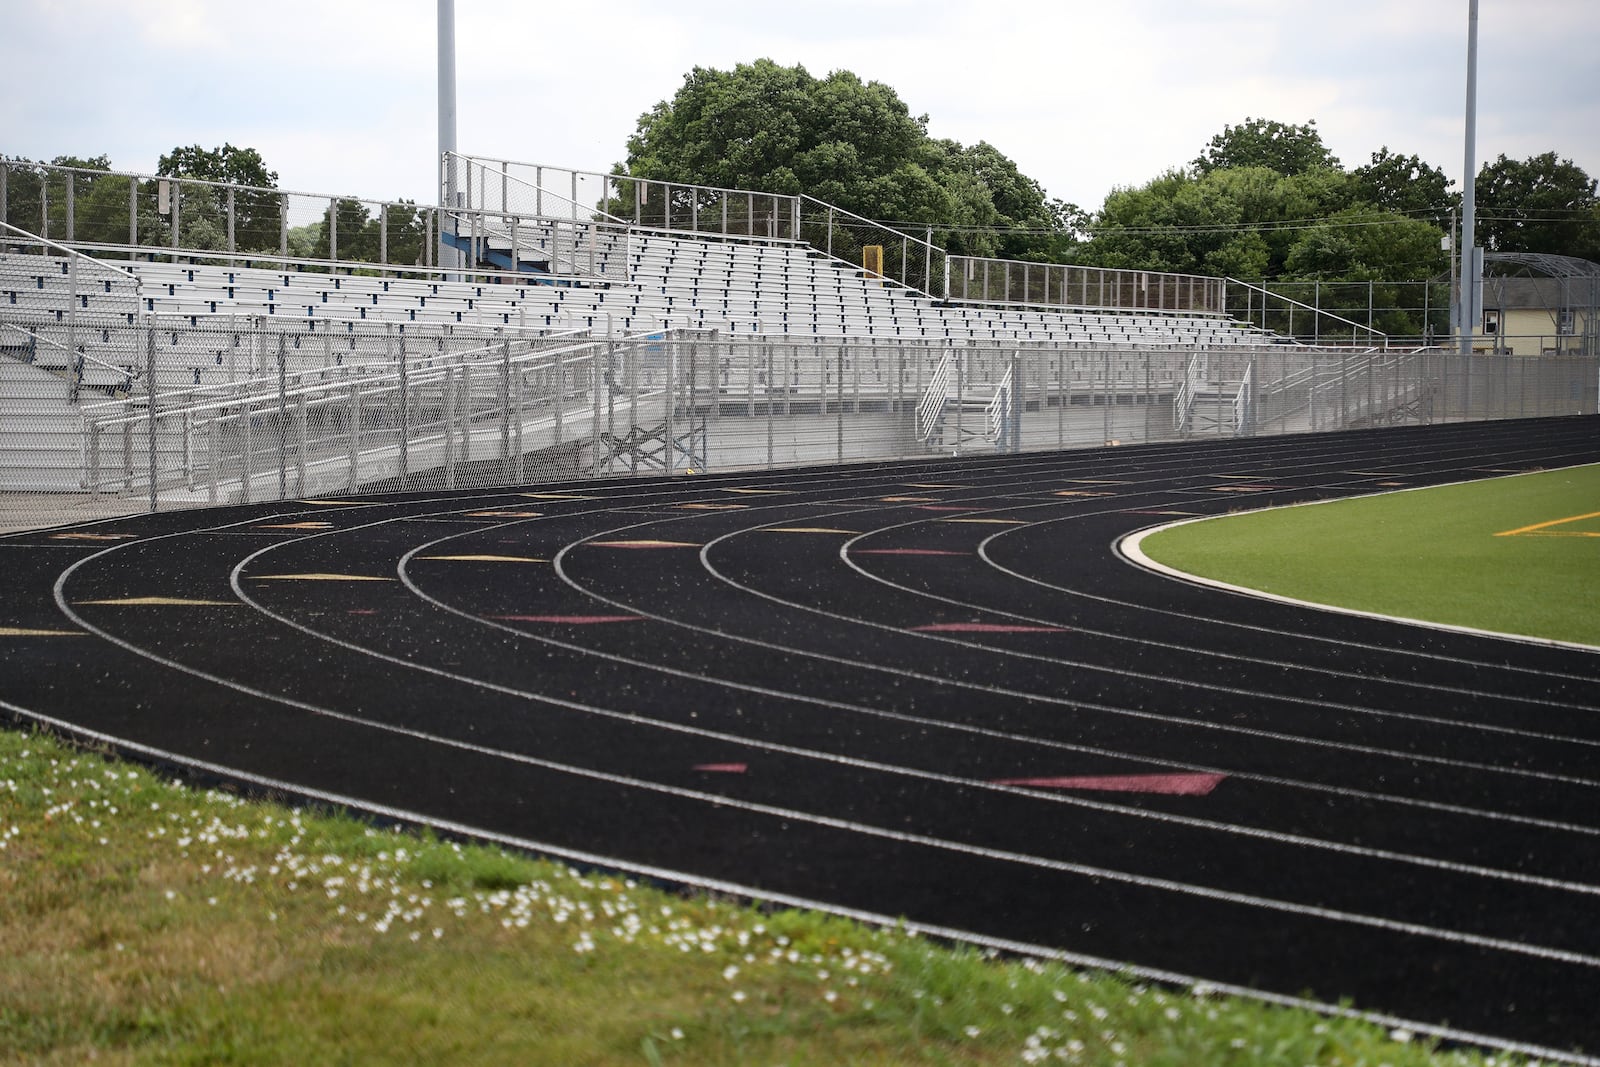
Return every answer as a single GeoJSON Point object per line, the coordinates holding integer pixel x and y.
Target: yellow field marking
{"type": "Point", "coordinates": [296, 526]}
{"type": "Point", "coordinates": [89, 537]}
{"type": "Point", "coordinates": [1080, 492]}
{"type": "Point", "coordinates": [713, 507]}
{"type": "Point", "coordinates": [504, 514]}
{"type": "Point", "coordinates": [162, 601]}
{"type": "Point", "coordinates": [1555, 522]}
{"type": "Point", "coordinates": [314, 577]}
{"type": "Point", "coordinates": [19, 631]}
{"type": "Point", "coordinates": [908, 499]}
{"type": "Point", "coordinates": [487, 559]}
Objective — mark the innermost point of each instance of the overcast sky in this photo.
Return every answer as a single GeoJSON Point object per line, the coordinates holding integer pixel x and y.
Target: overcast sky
{"type": "Point", "coordinates": [339, 96]}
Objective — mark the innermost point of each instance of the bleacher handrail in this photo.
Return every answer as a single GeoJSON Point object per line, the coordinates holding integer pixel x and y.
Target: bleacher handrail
{"type": "Point", "coordinates": [1372, 332]}
{"type": "Point", "coordinates": [932, 403]}
{"type": "Point", "coordinates": [963, 272]}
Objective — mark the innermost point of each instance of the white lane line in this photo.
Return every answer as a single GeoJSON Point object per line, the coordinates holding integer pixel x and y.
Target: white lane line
{"type": "Point", "coordinates": [1067, 867]}
{"type": "Point", "coordinates": [406, 816]}
{"type": "Point", "coordinates": [1131, 548]}
{"type": "Point", "coordinates": [849, 547]}
{"type": "Point", "coordinates": [238, 576]}
{"type": "Point", "coordinates": [1206, 620]}
{"type": "Point", "coordinates": [1129, 713]}
{"type": "Point", "coordinates": [1209, 825]}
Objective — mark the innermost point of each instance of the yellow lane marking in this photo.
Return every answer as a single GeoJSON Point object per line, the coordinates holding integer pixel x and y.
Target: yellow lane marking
{"type": "Point", "coordinates": [807, 530]}
{"type": "Point", "coordinates": [712, 507]}
{"type": "Point", "coordinates": [162, 601]}
{"type": "Point", "coordinates": [487, 559]}
{"type": "Point", "coordinates": [1555, 522]}
{"type": "Point", "coordinates": [296, 526]}
{"type": "Point", "coordinates": [89, 537]}
{"type": "Point", "coordinates": [319, 578]}
{"type": "Point", "coordinates": [20, 631]}
{"type": "Point", "coordinates": [1081, 492]}
{"type": "Point", "coordinates": [990, 522]}
{"type": "Point", "coordinates": [504, 514]}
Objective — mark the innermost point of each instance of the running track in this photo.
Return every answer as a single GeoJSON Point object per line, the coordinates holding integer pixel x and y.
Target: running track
{"type": "Point", "coordinates": [930, 690]}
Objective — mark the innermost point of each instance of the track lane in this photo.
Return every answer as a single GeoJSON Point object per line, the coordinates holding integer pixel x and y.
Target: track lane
{"type": "Point", "coordinates": [801, 814]}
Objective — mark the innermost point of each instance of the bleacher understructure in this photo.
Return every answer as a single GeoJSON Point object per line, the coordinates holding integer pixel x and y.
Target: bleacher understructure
{"type": "Point", "coordinates": [608, 349]}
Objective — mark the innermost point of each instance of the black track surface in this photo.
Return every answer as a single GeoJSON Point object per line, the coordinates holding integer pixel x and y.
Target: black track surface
{"type": "Point", "coordinates": [777, 696]}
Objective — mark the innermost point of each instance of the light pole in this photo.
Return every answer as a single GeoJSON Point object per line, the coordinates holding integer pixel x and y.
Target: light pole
{"type": "Point", "coordinates": [449, 256]}
{"type": "Point", "coordinates": [1471, 300]}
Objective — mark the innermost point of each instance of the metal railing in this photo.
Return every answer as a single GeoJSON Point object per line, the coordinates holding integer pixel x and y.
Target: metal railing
{"type": "Point", "coordinates": [143, 216]}
{"type": "Point", "coordinates": [516, 186]}
{"type": "Point", "coordinates": [974, 279]}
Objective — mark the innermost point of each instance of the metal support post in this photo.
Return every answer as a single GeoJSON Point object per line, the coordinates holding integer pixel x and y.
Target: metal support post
{"type": "Point", "coordinates": [150, 409]}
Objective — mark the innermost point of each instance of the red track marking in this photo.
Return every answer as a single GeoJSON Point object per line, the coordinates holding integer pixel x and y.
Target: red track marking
{"type": "Point", "coordinates": [985, 628]}
{"type": "Point", "coordinates": [571, 620]}
{"type": "Point", "coordinates": [1190, 785]}
{"type": "Point", "coordinates": [905, 552]}
{"type": "Point", "coordinates": [722, 768]}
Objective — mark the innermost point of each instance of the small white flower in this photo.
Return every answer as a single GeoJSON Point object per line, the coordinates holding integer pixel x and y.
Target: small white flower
{"type": "Point", "coordinates": [972, 1031]}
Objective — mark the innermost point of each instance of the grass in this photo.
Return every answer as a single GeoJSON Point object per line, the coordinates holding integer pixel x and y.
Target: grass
{"type": "Point", "coordinates": [1442, 555]}
{"type": "Point", "coordinates": [145, 922]}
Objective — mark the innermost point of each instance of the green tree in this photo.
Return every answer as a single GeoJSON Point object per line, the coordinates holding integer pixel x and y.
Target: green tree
{"type": "Point", "coordinates": [1541, 204]}
{"type": "Point", "coordinates": [1239, 222]}
{"type": "Point", "coordinates": [1278, 146]}
{"type": "Point", "coordinates": [844, 141]}
{"type": "Point", "coordinates": [1369, 258]}
{"type": "Point", "coordinates": [203, 209]}
{"type": "Point", "coordinates": [1406, 185]}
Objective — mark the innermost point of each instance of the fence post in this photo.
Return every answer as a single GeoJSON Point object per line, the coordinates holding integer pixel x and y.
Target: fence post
{"type": "Point", "coordinates": [505, 410]}
{"type": "Point", "coordinates": [283, 418]}
{"type": "Point", "coordinates": [447, 403]}
{"type": "Point", "coordinates": [405, 415]}
{"type": "Point", "coordinates": [355, 430]}
{"type": "Point", "coordinates": [150, 411]}
{"type": "Point", "coordinates": [838, 387]}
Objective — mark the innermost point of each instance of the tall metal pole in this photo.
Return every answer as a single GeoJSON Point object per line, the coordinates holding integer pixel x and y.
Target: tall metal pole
{"type": "Point", "coordinates": [1470, 311]}
{"type": "Point", "coordinates": [448, 254]}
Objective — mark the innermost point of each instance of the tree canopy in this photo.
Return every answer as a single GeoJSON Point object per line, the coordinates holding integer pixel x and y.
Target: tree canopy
{"type": "Point", "coordinates": [1277, 146]}
{"type": "Point", "coordinates": [1541, 204]}
{"type": "Point", "coordinates": [845, 141]}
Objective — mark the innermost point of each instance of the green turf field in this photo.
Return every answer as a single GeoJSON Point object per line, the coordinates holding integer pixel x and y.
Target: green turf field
{"type": "Point", "coordinates": [1517, 555]}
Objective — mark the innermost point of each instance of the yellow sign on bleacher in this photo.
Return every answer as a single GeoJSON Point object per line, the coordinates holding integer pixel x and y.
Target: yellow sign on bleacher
{"type": "Point", "coordinates": [872, 260]}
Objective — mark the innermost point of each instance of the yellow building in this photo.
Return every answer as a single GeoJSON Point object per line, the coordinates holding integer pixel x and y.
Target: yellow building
{"type": "Point", "coordinates": [1537, 305]}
